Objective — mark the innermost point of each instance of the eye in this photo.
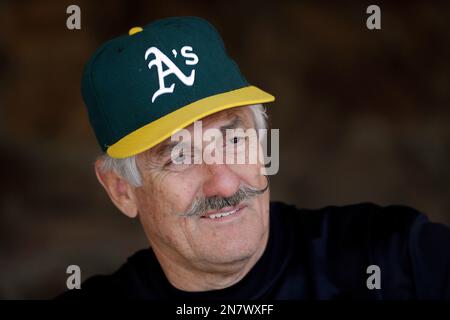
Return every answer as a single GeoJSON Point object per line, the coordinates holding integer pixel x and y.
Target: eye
{"type": "Point", "coordinates": [175, 160]}
{"type": "Point", "coordinates": [180, 158]}
{"type": "Point", "coordinates": [236, 140]}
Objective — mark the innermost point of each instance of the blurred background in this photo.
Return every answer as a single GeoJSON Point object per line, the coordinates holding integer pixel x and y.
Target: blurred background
{"type": "Point", "coordinates": [363, 116]}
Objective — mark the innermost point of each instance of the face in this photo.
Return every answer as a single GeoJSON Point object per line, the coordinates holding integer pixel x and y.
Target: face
{"type": "Point", "coordinates": [169, 190]}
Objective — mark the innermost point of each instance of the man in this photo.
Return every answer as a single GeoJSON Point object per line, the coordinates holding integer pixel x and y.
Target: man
{"type": "Point", "coordinates": [212, 231]}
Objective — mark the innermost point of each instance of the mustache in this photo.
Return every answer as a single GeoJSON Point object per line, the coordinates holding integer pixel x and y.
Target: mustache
{"type": "Point", "coordinates": [202, 205]}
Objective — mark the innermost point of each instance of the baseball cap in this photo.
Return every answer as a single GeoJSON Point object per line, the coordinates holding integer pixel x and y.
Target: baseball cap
{"type": "Point", "coordinates": [142, 87]}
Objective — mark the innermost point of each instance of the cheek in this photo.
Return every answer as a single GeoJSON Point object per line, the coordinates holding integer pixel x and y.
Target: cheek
{"type": "Point", "coordinates": [161, 202]}
{"type": "Point", "coordinates": [249, 174]}
{"type": "Point", "coordinates": [182, 190]}
{"type": "Point", "coordinates": [160, 206]}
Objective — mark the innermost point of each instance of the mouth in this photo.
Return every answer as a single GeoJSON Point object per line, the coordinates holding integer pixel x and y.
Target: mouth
{"type": "Point", "coordinates": [225, 213]}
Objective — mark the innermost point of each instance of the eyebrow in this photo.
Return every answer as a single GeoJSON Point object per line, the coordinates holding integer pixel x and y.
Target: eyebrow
{"type": "Point", "coordinates": [166, 148]}
{"type": "Point", "coordinates": [237, 122]}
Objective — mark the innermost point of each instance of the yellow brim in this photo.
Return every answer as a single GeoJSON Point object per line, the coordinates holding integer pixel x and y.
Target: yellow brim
{"type": "Point", "coordinates": [159, 130]}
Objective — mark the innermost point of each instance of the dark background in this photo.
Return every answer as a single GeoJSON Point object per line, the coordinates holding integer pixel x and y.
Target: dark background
{"type": "Point", "coordinates": [363, 116]}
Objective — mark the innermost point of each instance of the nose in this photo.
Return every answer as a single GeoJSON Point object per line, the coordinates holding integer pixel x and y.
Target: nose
{"type": "Point", "coordinates": [221, 181]}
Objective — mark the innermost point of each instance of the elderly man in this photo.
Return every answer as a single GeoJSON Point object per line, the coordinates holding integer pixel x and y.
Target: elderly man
{"type": "Point", "coordinates": [212, 231]}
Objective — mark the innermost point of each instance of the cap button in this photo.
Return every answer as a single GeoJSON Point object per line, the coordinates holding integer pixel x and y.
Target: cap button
{"type": "Point", "coordinates": [134, 30]}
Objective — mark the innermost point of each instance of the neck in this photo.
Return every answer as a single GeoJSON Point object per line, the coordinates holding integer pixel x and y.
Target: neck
{"type": "Point", "coordinates": [188, 277]}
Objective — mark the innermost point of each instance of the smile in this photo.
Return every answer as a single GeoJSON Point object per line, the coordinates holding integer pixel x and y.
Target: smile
{"type": "Point", "coordinates": [223, 213]}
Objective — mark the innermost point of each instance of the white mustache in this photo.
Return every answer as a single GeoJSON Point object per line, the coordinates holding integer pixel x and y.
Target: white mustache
{"type": "Point", "coordinates": [202, 204]}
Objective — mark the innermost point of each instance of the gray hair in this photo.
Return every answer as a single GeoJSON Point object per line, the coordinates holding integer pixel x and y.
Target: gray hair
{"type": "Point", "coordinates": [127, 167]}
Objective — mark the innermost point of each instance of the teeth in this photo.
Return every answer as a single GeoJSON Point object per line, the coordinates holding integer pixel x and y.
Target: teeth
{"type": "Point", "coordinates": [221, 214]}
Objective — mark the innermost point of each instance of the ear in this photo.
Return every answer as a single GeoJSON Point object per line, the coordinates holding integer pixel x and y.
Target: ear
{"type": "Point", "coordinates": [118, 189]}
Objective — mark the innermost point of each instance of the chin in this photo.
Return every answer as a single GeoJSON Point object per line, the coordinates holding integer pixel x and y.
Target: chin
{"type": "Point", "coordinates": [235, 243]}
{"type": "Point", "coordinates": [234, 250]}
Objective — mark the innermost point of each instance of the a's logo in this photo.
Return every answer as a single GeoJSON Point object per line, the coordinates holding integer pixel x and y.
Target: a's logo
{"type": "Point", "coordinates": [171, 68]}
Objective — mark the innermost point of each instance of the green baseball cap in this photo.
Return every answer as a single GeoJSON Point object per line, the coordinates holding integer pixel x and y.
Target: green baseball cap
{"type": "Point", "coordinates": [142, 87]}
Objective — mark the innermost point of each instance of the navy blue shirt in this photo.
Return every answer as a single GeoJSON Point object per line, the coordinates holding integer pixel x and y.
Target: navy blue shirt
{"type": "Point", "coordinates": [314, 254]}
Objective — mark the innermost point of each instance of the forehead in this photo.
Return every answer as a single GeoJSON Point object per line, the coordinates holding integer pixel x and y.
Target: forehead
{"type": "Point", "coordinates": [217, 119]}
